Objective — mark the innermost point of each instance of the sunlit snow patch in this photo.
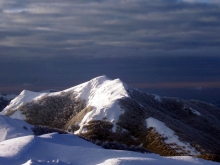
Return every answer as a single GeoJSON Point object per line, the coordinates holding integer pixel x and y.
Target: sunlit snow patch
{"type": "Point", "coordinates": [157, 98]}
{"type": "Point", "coordinates": [18, 115]}
{"type": "Point", "coordinates": [170, 136]}
{"type": "Point", "coordinates": [195, 111]}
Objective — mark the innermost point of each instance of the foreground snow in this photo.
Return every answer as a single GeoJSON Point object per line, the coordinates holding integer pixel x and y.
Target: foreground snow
{"type": "Point", "coordinates": [19, 147]}
{"type": "Point", "coordinates": [70, 149]}
{"type": "Point", "coordinates": [11, 128]}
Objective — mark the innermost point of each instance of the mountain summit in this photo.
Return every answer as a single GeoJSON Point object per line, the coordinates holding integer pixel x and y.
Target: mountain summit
{"type": "Point", "coordinates": [109, 110]}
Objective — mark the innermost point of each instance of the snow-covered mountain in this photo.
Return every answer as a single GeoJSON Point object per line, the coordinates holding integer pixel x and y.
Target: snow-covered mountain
{"type": "Point", "coordinates": [5, 100]}
{"type": "Point", "coordinates": [109, 110]}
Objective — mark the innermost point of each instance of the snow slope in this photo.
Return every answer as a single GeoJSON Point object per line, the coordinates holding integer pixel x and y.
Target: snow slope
{"type": "Point", "coordinates": [24, 97]}
{"type": "Point", "coordinates": [69, 149]}
{"type": "Point", "coordinates": [11, 128]}
{"type": "Point", "coordinates": [170, 136]}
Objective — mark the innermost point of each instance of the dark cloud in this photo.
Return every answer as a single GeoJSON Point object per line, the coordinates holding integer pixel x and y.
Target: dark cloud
{"type": "Point", "coordinates": [58, 44]}
{"type": "Point", "coordinates": [83, 27]}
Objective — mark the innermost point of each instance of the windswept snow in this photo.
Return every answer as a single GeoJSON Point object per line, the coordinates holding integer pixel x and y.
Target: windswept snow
{"type": "Point", "coordinates": [68, 149]}
{"type": "Point", "coordinates": [169, 134]}
{"type": "Point", "coordinates": [153, 160]}
{"type": "Point", "coordinates": [11, 128]}
{"type": "Point", "coordinates": [16, 147]}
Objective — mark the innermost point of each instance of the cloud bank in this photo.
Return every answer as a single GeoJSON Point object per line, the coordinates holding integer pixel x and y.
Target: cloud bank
{"type": "Point", "coordinates": [103, 28]}
{"type": "Point", "coordinates": [150, 44]}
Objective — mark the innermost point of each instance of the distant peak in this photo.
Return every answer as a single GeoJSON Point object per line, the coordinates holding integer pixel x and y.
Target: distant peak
{"type": "Point", "coordinates": [25, 91]}
{"type": "Point", "coordinates": [100, 79]}
{"type": "Point", "coordinates": [103, 77]}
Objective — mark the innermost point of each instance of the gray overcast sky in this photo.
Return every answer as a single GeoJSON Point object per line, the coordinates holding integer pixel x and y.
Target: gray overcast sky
{"type": "Point", "coordinates": [167, 47]}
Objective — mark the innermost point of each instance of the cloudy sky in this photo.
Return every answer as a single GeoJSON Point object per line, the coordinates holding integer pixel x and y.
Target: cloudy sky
{"type": "Point", "coordinates": [167, 47]}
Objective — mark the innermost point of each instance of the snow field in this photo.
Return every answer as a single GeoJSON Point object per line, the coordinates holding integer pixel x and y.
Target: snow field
{"type": "Point", "coordinates": [11, 128]}
{"type": "Point", "coordinates": [69, 149]}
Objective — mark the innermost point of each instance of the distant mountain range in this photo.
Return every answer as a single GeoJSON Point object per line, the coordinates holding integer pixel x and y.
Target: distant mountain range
{"type": "Point", "coordinates": [5, 100]}
{"type": "Point", "coordinates": [109, 110]}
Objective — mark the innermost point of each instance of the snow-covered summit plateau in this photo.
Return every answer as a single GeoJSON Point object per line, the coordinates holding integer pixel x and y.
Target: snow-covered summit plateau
{"type": "Point", "coordinates": [109, 110]}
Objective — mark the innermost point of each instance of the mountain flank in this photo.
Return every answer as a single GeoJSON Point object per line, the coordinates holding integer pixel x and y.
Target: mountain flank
{"type": "Point", "coordinates": [109, 110]}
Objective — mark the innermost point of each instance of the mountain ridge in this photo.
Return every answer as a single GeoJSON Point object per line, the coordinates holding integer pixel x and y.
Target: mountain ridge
{"type": "Point", "coordinates": [111, 110]}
